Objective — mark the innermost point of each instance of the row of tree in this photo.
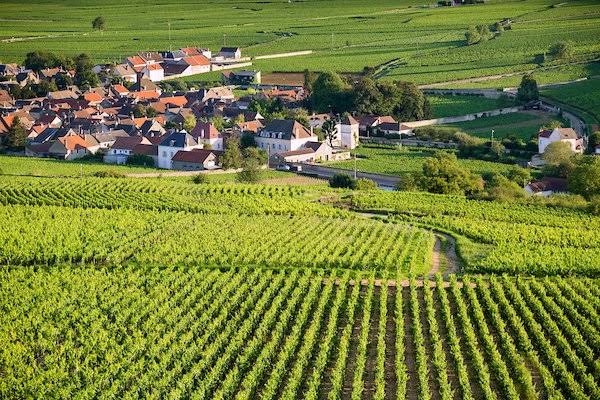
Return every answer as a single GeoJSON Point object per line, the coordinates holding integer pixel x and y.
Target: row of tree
{"type": "Point", "coordinates": [403, 100]}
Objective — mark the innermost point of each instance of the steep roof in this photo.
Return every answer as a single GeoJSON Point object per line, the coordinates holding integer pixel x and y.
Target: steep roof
{"type": "Point", "coordinates": [73, 142]}
{"type": "Point", "coordinates": [178, 139]}
{"type": "Point", "coordinates": [289, 129]}
{"type": "Point", "coordinates": [205, 130]}
{"type": "Point", "coordinates": [146, 149]}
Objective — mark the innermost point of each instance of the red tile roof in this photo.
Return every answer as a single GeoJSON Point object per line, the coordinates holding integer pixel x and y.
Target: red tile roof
{"type": "Point", "coordinates": [197, 60]}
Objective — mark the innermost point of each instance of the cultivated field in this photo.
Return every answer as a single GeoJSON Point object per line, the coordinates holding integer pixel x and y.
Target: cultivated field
{"type": "Point", "coordinates": [524, 125]}
{"type": "Point", "coordinates": [415, 42]}
{"type": "Point", "coordinates": [399, 161]}
{"type": "Point", "coordinates": [581, 96]}
{"type": "Point", "coordinates": [248, 334]}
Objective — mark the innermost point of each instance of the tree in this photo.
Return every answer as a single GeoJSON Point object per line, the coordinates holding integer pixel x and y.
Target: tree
{"type": "Point", "coordinates": [502, 189]}
{"type": "Point", "coordinates": [232, 157]}
{"type": "Point", "coordinates": [218, 122]}
{"type": "Point", "coordinates": [85, 78]}
{"type": "Point", "coordinates": [342, 181]}
{"type": "Point", "coordinates": [472, 36]}
{"type": "Point", "coordinates": [247, 140]}
{"type": "Point", "coordinates": [593, 141]}
{"type": "Point", "coordinates": [16, 135]}
{"type": "Point", "coordinates": [552, 125]}
{"type": "Point", "coordinates": [38, 60]}
{"type": "Point", "coordinates": [140, 159]}
{"type": "Point", "coordinates": [253, 159]}
{"type": "Point", "coordinates": [562, 50]}
{"type": "Point", "coordinates": [528, 89]}
{"type": "Point", "coordinates": [443, 174]}
{"type": "Point", "coordinates": [498, 27]}
{"type": "Point", "coordinates": [585, 178]}
{"type": "Point", "coordinates": [367, 97]}
{"type": "Point", "coordinates": [139, 111]}
{"type": "Point", "coordinates": [518, 175]}
{"type": "Point", "coordinates": [98, 23]}
{"type": "Point", "coordinates": [559, 158]}
{"type": "Point", "coordinates": [365, 184]}
{"type": "Point", "coordinates": [189, 123]}
{"type": "Point", "coordinates": [329, 130]}
{"type": "Point", "coordinates": [151, 112]}
{"type": "Point", "coordinates": [330, 93]}
{"type": "Point", "coordinates": [414, 105]}
{"type": "Point", "coordinates": [557, 153]}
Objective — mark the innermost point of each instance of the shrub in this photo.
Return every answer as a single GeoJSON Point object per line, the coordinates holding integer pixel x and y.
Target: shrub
{"type": "Point", "coordinates": [342, 181]}
{"type": "Point", "coordinates": [365, 184]}
{"type": "Point", "coordinates": [199, 179]}
{"type": "Point", "coordinates": [141, 160]}
{"type": "Point", "coordinates": [109, 174]}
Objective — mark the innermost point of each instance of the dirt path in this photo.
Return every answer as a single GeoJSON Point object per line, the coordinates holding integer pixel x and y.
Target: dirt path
{"type": "Point", "coordinates": [444, 255]}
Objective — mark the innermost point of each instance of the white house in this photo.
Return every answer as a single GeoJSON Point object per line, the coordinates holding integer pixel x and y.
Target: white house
{"type": "Point", "coordinates": [171, 144]}
{"type": "Point", "coordinates": [567, 135]}
{"type": "Point", "coordinates": [198, 64]}
{"type": "Point", "coordinates": [154, 72]}
{"type": "Point", "coordinates": [347, 131]}
{"type": "Point", "coordinates": [122, 148]}
{"type": "Point", "coordinates": [283, 135]}
{"type": "Point", "coordinates": [547, 186]}
{"type": "Point", "coordinates": [230, 53]}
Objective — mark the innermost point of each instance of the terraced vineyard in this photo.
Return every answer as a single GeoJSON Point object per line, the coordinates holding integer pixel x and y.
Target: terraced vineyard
{"type": "Point", "coordinates": [288, 334]}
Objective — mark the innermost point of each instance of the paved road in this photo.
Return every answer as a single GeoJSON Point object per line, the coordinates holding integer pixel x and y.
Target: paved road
{"type": "Point", "coordinates": [384, 181]}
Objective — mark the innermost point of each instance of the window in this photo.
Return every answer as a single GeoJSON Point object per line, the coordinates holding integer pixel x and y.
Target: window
{"type": "Point", "coordinates": [164, 153]}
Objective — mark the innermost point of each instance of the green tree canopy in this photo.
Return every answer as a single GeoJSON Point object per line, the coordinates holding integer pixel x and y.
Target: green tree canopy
{"type": "Point", "coordinates": [98, 23]}
{"type": "Point", "coordinates": [528, 89]}
{"type": "Point", "coordinates": [443, 174]}
{"type": "Point", "coordinates": [17, 135]}
{"type": "Point", "coordinates": [585, 178]}
{"type": "Point", "coordinates": [562, 50]}
{"type": "Point", "coordinates": [232, 157]}
{"type": "Point", "coordinates": [330, 93]}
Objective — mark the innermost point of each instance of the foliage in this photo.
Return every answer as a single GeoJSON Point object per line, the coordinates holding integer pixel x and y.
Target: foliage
{"type": "Point", "coordinates": [199, 179]}
{"type": "Point", "coordinates": [443, 174]}
{"type": "Point", "coordinates": [109, 174]}
{"type": "Point", "coordinates": [232, 157]}
{"type": "Point", "coordinates": [140, 159]}
{"type": "Point", "coordinates": [16, 137]}
{"type": "Point", "coordinates": [365, 184]}
{"type": "Point", "coordinates": [585, 177]}
{"type": "Point", "coordinates": [329, 131]}
{"type": "Point", "coordinates": [342, 181]}
{"type": "Point", "coordinates": [559, 158]}
{"type": "Point", "coordinates": [189, 123]}
{"type": "Point", "coordinates": [98, 23]}
{"type": "Point", "coordinates": [330, 93]}
{"type": "Point", "coordinates": [528, 89]}
{"type": "Point", "coordinates": [562, 50]}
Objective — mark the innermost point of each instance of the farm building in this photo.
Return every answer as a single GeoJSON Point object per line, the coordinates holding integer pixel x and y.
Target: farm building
{"type": "Point", "coordinates": [567, 135]}
{"type": "Point", "coordinates": [195, 160]}
{"type": "Point", "coordinates": [283, 135]}
{"type": "Point", "coordinates": [230, 53]}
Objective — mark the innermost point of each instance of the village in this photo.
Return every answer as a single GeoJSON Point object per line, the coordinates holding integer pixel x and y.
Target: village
{"type": "Point", "coordinates": [129, 119]}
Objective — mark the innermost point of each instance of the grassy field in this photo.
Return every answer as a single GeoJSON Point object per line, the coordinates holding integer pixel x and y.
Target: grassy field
{"type": "Point", "coordinates": [424, 44]}
{"type": "Point", "coordinates": [584, 95]}
{"type": "Point", "coordinates": [390, 161]}
{"type": "Point", "coordinates": [451, 106]}
{"type": "Point", "coordinates": [523, 125]}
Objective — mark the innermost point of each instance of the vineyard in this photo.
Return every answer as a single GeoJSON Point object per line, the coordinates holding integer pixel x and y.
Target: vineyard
{"type": "Point", "coordinates": [501, 237]}
{"type": "Point", "coordinates": [398, 161]}
{"type": "Point", "coordinates": [416, 42]}
{"type": "Point", "coordinates": [287, 334]}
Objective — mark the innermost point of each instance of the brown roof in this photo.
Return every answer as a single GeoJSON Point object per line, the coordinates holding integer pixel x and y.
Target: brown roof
{"type": "Point", "coordinates": [194, 156]}
{"type": "Point", "coordinates": [146, 149]}
{"type": "Point", "coordinates": [565, 133]}
{"type": "Point", "coordinates": [205, 130]}
{"type": "Point", "coordinates": [549, 184]}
